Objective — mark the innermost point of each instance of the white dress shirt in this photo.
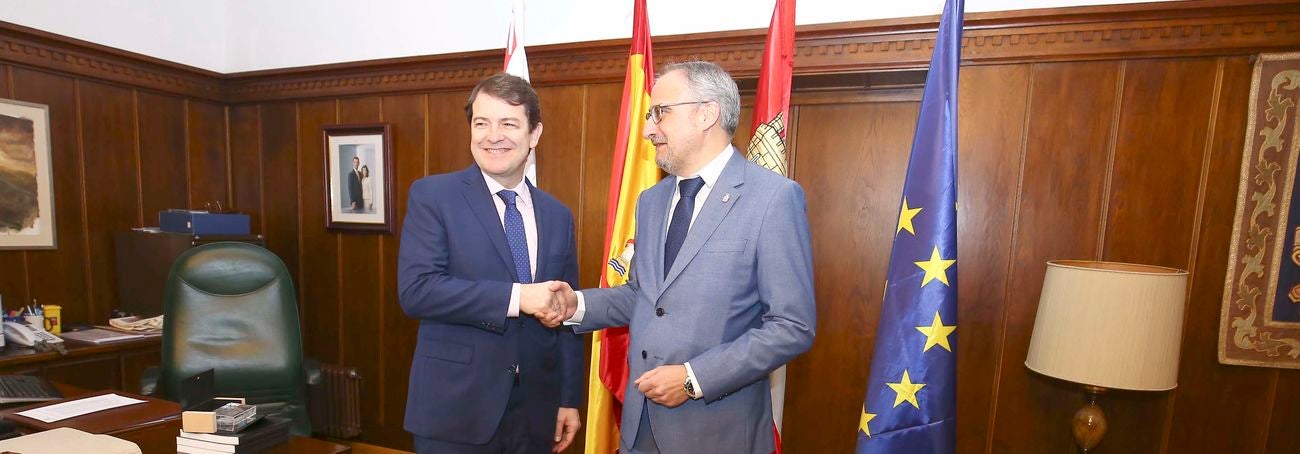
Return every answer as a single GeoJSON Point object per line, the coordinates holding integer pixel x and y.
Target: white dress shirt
{"type": "Point", "coordinates": [524, 202]}
{"type": "Point", "coordinates": [710, 174]}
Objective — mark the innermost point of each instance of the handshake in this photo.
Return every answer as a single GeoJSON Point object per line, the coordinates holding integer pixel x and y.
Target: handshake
{"type": "Point", "coordinates": [550, 302]}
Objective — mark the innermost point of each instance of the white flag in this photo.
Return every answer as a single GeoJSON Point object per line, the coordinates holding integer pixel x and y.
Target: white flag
{"type": "Point", "coordinates": [517, 64]}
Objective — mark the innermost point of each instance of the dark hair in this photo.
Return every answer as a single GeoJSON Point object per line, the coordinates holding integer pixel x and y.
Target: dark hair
{"type": "Point", "coordinates": [511, 89]}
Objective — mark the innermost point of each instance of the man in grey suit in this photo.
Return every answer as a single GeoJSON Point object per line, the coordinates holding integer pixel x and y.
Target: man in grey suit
{"type": "Point", "coordinates": [721, 291]}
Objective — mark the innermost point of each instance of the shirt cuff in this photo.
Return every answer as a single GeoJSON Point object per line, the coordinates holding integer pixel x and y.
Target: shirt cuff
{"type": "Point", "coordinates": [695, 384]}
{"type": "Point", "coordinates": [576, 319]}
{"type": "Point", "coordinates": [513, 310]}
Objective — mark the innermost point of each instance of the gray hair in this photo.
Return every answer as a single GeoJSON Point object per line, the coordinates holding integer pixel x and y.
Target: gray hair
{"type": "Point", "coordinates": [709, 82]}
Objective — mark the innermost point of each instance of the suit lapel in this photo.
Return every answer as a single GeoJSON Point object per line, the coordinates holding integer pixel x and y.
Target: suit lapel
{"type": "Point", "coordinates": [481, 204]}
{"type": "Point", "coordinates": [711, 215]}
{"type": "Point", "coordinates": [650, 237]}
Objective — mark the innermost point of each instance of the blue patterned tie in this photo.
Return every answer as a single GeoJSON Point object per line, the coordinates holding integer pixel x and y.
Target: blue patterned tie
{"type": "Point", "coordinates": [681, 222]}
{"type": "Point", "coordinates": [516, 237]}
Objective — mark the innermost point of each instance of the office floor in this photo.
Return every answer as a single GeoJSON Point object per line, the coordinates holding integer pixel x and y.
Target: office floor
{"type": "Point", "coordinates": [362, 448]}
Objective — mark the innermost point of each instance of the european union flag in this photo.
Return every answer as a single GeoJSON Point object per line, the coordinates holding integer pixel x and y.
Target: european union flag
{"type": "Point", "coordinates": [911, 403]}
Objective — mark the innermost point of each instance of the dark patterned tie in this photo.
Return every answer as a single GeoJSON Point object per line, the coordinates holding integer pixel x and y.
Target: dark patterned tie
{"type": "Point", "coordinates": [681, 222]}
{"type": "Point", "coordinates": [516, 237]}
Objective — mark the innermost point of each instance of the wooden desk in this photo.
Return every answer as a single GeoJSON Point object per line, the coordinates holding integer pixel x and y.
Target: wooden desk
{"type": "Point", "coordinates": [116, 365]}
{"type": "Point", "coordinates": [158, 434]}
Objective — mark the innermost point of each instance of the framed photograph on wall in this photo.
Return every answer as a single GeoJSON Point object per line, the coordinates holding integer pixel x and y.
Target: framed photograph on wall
{"type": "Point", "coordinates": [358, 177]}
{"type": "Point", "coordinates": [26, 180]}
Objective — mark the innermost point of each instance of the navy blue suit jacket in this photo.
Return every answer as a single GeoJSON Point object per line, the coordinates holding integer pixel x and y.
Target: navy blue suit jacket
{"type": "Point", "coordinates": [454, 275]}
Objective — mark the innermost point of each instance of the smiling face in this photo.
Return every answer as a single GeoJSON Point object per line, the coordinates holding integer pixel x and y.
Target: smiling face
{"type": "Point", "coordinates": [500, 138]}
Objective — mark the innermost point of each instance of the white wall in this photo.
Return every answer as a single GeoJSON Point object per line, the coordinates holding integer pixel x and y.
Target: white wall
{"type": "Point", "coordinates": [190, 32]}
{"type": "Point", "coordinates": [246, 35]}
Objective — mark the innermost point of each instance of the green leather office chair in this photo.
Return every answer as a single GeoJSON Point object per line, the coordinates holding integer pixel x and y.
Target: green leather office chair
{"type": "Point", "coordinates": [231, 307]}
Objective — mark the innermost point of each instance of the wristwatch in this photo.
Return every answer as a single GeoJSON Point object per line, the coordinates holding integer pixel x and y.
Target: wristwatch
{"type": "Point", "coordinates": [689, 387]}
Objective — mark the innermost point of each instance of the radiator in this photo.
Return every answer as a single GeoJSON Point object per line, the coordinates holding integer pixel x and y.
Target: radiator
{"type": "Point", "coordinates": [336, 402]}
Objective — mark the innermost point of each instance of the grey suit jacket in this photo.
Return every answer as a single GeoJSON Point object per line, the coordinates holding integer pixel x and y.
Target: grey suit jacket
{"type": "Point", "coordinates": [737, 304]}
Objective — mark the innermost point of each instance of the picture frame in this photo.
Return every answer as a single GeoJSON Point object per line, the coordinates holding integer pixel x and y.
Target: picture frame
{"type": "Point", "coordinates": [1259, 323]}
{"type": "Point", "coordinates": [358, 177]}
{"type": "Point", "coordinates": [27, 193]}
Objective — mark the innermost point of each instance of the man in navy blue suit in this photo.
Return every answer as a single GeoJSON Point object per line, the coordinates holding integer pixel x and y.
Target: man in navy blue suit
{"type": "Point", "coordinates": [477, 249]}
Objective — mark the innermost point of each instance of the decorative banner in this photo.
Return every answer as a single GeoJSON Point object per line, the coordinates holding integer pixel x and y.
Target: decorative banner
{"type": "Point", "coordinates": [1260, 322]}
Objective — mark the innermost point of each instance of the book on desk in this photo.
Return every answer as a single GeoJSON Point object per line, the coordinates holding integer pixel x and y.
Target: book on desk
{"type": "Point", "coordinates": [265, 433]}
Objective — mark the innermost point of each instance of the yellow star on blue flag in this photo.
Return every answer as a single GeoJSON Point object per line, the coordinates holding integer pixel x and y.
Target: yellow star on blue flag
{"type": "Point", "coordinates": [911, 395]}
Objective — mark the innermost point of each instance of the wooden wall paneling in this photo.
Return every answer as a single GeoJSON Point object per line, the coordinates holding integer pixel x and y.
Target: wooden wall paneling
{"type": "Point", "coordinates": [319, 253]}
{"type": "Point", "coordinates": [561, 154]}
{"type": "Point", "coordinates": [245, 136]}
{"type": "Point", "coordinates": [13, 281]}
{"type": "Point", "coordinates": [990, 137]}
{"type": "Point", "coordinates": [1217, 408]}
{"type": "Point", "coordinates": [602, 103]}
{"type": "Point", "coordinates": [208, 159]}
{"type": "Point", "coordinates": [60, 276]}
{"type": "Point", "coordinates": [279, 188]}
{"type": "Point", "coordinates": [852, 225]}
{"type": "Point", "coordinates": [108, 138]}
{"type": "Point", "coordinates": [743, 132]}
{"type": "Point", "coordinates": [602, 107]}
{"type": "Point", "coordinates": [1151, 211]}
{"type": "Point", "coordinates": [1125, 159]}
{"type": "Point", "coordinates": [361, 304]}
{"type": "Point", "coordinates": [164, 167]}
{"type": "Point", "coordinates": [1159, 149]}
{"type": "Point", "coordinates": [561, 148]}
{"type": "Point", "coordinates": [407, 116]}
{"type": "Point", "coordinates": [1282, 436]}
{"type": "Point", "coordinates": [449, 132]}
{"type": "Point", "coordinates": [1071, 107]}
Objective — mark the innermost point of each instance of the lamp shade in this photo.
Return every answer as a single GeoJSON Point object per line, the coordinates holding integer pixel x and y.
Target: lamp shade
{"type": "Point", "coordinates": [1113, 325]}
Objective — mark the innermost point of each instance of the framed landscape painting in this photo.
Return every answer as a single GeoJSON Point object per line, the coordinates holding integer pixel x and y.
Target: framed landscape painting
{"type": "Point", "coordinates": [26, 183]}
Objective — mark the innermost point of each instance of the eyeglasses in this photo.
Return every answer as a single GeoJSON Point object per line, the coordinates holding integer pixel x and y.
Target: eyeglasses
{"type": "Point", "coordinates": [657, 111]}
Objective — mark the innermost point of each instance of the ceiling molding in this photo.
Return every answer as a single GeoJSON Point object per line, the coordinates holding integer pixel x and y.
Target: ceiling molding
{"type": "Point", "coordinates": [47, 51]}
{"type": "Point", "coordinates": [1171, 29]}
{"type": "Point", "coordinates": [1063, 34]}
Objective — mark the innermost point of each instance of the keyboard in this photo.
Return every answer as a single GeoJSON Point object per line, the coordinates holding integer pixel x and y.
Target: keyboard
{"type": "Point", "coordinates": [26, 388]}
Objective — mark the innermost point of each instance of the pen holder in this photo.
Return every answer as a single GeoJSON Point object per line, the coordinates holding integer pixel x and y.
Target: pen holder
{"type": "Point", "coordinates": [34, 321]}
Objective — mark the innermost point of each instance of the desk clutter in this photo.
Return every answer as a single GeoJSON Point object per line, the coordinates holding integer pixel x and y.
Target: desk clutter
{"type": "Point", "coordinates": [260, 436]}
{"type": "Point", "coordinates": [137, 325]}
{"type": "Point", "coordinates": [119, 329]}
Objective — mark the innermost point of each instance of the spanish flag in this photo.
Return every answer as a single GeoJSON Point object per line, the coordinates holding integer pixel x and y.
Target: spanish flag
{"type": "Point", "coordinates": [633, 171]}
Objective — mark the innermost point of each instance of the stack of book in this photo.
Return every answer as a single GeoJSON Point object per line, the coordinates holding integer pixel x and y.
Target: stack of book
{"type": "Point", "coordinates": [257, 437]}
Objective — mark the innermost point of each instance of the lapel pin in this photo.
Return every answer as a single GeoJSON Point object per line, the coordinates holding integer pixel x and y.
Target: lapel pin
{"type": "Point", "coordinates": [726, 197]}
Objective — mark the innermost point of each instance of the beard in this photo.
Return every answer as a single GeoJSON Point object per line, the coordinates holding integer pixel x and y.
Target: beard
{"type": "Point", "coordinates": [670, 160]}
{"type": "Point", "coordinates": [666, 163]}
